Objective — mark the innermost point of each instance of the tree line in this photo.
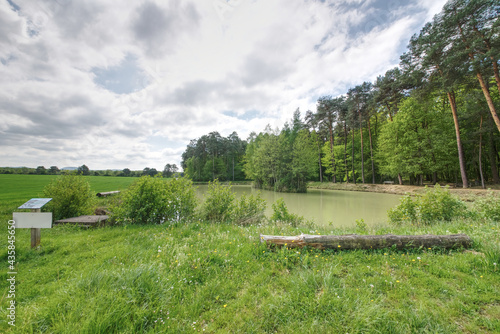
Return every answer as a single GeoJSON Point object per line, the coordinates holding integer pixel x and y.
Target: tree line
{"type": "Point", "coordinates": [213, 157]}
{"type": "Point", "coordinates": [170, 170]}
{"type": "Point", "coordinates": [431, 119]}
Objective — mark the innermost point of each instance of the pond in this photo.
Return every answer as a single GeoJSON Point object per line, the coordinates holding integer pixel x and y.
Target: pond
{"type": "Point", "coordinates": [328, 207]}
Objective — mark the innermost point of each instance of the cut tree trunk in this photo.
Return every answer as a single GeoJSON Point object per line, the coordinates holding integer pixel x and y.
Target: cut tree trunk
{"type": "Point", "coordinates": [354, 241]}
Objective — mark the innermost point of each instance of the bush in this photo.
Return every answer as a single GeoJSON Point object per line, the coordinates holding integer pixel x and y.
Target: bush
{"type": "Point", "coordinates": [152, 200]}
{"type": "Point", "coordinates": [249, 209]}
{"type": "Point", "coordinates": [434, 205]}
{"type": "Point", "coordinates": [219, 203]}
{"type": "Point", "coordinates": [71, 197]}
{"type": "Point", "coordinates": [406, 211]}
{"type": "Point", "coordinates": [488, 207]}
{"type": "Point", "coordinates": [181, 198]}
{"type": "Point", "coordinates": [281, 214]}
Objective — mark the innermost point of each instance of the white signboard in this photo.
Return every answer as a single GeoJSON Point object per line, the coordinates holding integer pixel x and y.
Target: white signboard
{"type": "Point", "coordinates": [32, 219]}
{"type": "Point", "coordinates": [35, 203]}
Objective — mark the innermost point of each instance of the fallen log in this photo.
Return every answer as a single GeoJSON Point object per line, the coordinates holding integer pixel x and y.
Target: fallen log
{"type": "Point", "coordinates": [108, 193]}
{"type": "Point", "coordinates": [354, 241]}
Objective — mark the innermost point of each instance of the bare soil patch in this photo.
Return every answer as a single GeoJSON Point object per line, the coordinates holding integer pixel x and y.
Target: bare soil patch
{"type": "Point", "coordinates": [467, 194]}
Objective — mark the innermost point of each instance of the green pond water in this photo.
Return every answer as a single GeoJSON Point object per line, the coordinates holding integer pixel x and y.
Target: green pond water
{"type": "Point", "coordinates": [328, 207]}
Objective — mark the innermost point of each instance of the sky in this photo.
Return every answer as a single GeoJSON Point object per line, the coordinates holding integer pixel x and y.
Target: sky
{"type": "Point", "coordinates": [127, 84]}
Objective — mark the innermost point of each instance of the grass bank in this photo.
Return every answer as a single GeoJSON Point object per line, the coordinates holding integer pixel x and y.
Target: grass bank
{"type": "Point", "coordinates": [218, 278]}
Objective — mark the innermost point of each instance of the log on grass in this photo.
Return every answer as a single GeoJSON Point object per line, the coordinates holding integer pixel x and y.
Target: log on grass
{"type": "Point", "coordinates": [354, 241]}
{"type": "Point", "coordinates": [107, 193]}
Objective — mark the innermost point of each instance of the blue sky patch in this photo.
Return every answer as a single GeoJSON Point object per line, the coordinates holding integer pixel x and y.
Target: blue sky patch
{"type": "Point", "coordinates": [122, 79]}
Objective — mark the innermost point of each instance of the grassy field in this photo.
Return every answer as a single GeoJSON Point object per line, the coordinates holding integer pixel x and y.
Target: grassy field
{"type": "Point", "coordinates": [218, 278]}
{"type": "Point", "coordinates": [16, 189]}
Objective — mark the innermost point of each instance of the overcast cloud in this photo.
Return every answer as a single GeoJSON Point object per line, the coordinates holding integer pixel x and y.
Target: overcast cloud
{"type": "Point", "coordinates": [115, 84]}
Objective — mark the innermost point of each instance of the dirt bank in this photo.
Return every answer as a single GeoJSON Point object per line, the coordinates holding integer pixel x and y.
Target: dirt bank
{"type": "Point", "coordinates": [464, 194]}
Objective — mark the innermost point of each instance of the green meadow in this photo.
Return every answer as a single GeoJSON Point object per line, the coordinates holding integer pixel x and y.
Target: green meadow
{"type": "Point", "coordinates": [218, 278]}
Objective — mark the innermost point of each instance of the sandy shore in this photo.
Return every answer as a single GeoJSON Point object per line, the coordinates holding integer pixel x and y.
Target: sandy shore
{"type": "Point", "coordinates": [464, 194]}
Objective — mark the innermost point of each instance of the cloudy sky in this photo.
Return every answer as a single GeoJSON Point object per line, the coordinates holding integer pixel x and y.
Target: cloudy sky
{"type": "Point", "coordinates": [127, 84]}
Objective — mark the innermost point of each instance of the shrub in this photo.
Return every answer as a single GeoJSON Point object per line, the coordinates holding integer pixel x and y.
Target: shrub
{"type": "Point", "coordinates": [71, 196]}
{"type": "Point", "coordinates": [281, 214]}
{"type": "Point", "coordinates": [153, 200]}
{"type": "Point", "coordinates": [406, 211]}
{"type": "Point", "coordinates": [249, 209]}
{"type": "Point", "coordinates": [181, 198]}
{"type": "Point", "coordinates": [219, 203]}
{"type": "Point", "coordinates": [488, 207]}
{"type": "Point", "coordinates": [434, 205]}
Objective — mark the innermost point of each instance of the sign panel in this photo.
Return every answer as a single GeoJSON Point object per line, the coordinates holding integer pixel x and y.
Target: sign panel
{"type": "Point", "coordinates": [32, 219]}
{"type": "Point", "coordinates": [35, 203]}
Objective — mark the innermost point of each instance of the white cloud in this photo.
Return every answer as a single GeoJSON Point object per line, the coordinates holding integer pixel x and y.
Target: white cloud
{"type": "Point", "coordinates": [123, 84]}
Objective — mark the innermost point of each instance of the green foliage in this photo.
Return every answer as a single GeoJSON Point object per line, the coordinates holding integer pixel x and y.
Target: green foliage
{"type": "Point", "coordinates": [488, 207]}
{"type": "Point", "coordinates": [433, 206]}
{"type": "Point", "coordinates": [213, 157]}
{"type": "Point", "coordinates": [219, 203]}
{"type": "Point", "coordinates": [181, 198]}
{"type": "Point", "coordinates": [249, 209]}
{"type": "Point", "coordinates": [282, 160]}
{"type": "Point", "coordinates": [405, 212]}
{"type": "Point", "coordinates": [361, 226]}
{"type": "Point", "coordinates": [71, 196]}
{"type": "Point", "coordinates": [152, 200]}
{"type": "Point", "coordinates": [281, 214]}
{"type": "Point", "coordinates": [420, 140]}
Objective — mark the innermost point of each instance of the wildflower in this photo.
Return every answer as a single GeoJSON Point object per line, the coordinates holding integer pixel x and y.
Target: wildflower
{"type": "Point", "coordinates": [339, 246]}
{"type": "Point", "coordinates": [225, 305]}
{"type": "Point", "coordinates": [397, 281]}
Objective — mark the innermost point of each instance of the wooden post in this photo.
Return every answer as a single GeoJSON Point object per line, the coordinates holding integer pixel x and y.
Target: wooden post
{"type": "Point", "coordinates": [36, 233]}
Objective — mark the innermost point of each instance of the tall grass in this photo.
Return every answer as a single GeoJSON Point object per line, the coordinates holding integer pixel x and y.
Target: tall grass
{"type": "Point", "coordinates": [220, 278]}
